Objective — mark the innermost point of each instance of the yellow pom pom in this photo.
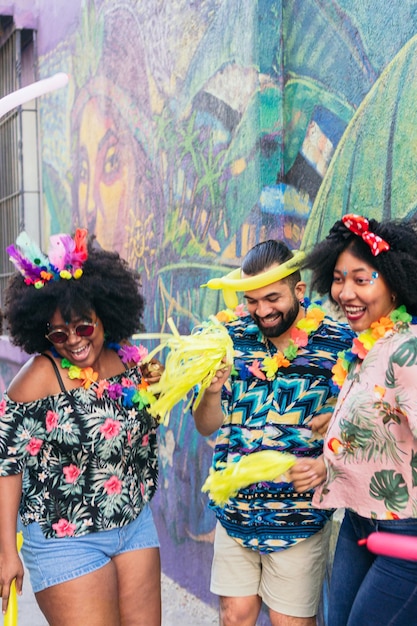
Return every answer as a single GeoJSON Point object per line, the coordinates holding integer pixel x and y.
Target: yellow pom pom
{"type": "Point", "coordinates": [78, 273]}
{"type": "Point", "coordinates": [65, 274]}
{"type": "Point", "coordinates": [266, 465]}
{"type": "Point", "coordinates": [192, 360]}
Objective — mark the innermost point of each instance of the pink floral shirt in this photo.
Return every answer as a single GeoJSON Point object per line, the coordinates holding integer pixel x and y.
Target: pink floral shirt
{"type": "Point", "coordinates": [371, 444]}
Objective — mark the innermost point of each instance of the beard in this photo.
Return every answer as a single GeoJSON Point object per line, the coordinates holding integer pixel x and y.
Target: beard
{"type": "Point", "coordinates": [284, 323]}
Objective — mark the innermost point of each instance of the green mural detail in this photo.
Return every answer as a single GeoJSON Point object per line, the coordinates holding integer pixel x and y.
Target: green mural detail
{"type": "Point", "coordinates": [372, 170]}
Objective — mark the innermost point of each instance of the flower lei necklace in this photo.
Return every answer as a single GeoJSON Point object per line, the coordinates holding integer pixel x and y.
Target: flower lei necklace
{"type": "Point", "coordinates": [299, 334]}
{"type": "Point", "coordinates": [129, 393]}
{"type": "Point", "coordinates": [398, 320]}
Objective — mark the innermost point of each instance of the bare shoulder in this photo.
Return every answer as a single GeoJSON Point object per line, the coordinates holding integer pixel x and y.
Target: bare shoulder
{"type": "Point", "coordinates": [35, 380]}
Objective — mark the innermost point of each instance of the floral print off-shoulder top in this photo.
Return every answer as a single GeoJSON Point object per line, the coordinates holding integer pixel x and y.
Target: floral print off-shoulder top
{"type": "Point", "coordinates": [89, 461]}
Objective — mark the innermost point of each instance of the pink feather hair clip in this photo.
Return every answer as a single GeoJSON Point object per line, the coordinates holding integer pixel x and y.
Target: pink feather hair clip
{"type": "Point", "coordinates": [65, 260]}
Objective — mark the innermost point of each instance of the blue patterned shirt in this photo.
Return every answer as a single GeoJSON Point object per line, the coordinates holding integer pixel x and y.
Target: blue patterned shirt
{"type": "Point", "coordinates": [275, 415]}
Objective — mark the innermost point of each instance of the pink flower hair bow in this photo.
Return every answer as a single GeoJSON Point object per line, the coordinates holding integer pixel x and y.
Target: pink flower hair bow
{"type": "Point", "coordinates": [360, 225]}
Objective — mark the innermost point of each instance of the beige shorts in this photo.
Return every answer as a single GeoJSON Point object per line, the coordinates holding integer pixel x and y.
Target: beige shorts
{"type": "Point", "coordinates": [288, 581]}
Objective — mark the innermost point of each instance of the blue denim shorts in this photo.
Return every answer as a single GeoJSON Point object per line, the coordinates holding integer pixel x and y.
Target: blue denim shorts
{"type": "Point", "coordinates": [53, 561]}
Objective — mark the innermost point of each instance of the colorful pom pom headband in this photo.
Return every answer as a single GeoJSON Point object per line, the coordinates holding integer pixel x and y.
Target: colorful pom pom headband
{"type": "Point", "coordinates": [66, 257]}
{"type": "Point", "coordinates": [360, 226]}
{"type": "Point", "coordinates": [233, 282]}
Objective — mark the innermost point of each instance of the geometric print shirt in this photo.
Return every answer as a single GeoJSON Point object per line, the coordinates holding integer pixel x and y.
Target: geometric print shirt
{"type": "Point", "coordinates": [89, 462]}
{"type": "Point", "coordinates": [275, 415]}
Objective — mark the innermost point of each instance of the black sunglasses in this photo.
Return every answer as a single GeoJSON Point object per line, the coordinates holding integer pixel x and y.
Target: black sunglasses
{"type": "Point", "coordinates": [84, 329]}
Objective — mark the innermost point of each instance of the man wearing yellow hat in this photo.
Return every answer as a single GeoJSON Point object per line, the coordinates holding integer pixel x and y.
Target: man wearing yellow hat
{"type": "Point", "coordinates": [270, 543]}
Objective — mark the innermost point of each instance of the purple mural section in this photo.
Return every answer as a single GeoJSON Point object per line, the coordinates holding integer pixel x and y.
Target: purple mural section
{"type": "Point", "coordinates": [189, 132]}
{"type": "Point", "coordinates": [11, 360]}
{"type": "Point", "coordinates": [25, 13]}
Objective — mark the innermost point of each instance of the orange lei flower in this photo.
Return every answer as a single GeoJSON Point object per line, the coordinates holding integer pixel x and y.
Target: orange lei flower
{"type": "Point", "coordinates": [398, 320]}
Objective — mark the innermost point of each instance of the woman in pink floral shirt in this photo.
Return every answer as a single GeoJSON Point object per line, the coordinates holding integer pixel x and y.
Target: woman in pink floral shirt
{"type": "Point", "coordinates": [369, 463]}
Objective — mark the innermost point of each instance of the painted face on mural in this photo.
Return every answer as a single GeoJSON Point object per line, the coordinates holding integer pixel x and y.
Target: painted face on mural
{"type": "Point", "coordinates": [115, 190]}
{"type": "Point", "coordinates": [105, 175]}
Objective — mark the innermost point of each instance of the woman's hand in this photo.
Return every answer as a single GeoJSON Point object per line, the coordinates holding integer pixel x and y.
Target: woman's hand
{"type": "Point", "coordinates": [11, 568]}
{"type": "Point", "coordinates": [10, 564]}
{"type": "Point", "coordinates": [320, 423]}
{"type": "Point", "coordinates": [152, 371]}
{"type": "Point", "coordinates": [306, 474]}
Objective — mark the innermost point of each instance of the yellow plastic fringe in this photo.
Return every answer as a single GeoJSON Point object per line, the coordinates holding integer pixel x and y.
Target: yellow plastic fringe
{"type": "Point", "coordinates": [266, 465]}
{"type": "Point", "coordinates": [192, 360]}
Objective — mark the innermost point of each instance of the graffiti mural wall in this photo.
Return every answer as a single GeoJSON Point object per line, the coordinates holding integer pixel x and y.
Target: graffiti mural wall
{"type": "Point", "coordinates": [191, 130]}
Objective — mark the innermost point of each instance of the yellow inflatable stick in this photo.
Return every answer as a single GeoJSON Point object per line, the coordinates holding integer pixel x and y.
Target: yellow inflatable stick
{"type": "Point", "coordinates": [10, 618]}
{"type": "Point", "coordinates": [266, 465]}
{"type": "Point", "coordinates": [233, 282]}
{"type": "Point", "coordinates": [192, 360]}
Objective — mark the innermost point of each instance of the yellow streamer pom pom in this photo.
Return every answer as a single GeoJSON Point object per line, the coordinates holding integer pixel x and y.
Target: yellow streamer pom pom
{"type": "Point", "coordinates": [10, 618]}
{"type": "Point", "coordinates": [266, 465]}
{"type": "Point", "coordinates": [192, 360]}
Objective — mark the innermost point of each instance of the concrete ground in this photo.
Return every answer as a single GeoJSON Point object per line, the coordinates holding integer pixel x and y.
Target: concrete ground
{"type": "Point", "coordinates": [178, 607]}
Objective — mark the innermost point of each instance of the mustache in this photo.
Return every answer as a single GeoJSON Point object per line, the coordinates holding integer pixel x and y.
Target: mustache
{"type": "Point", "coordinates": [269, 317]}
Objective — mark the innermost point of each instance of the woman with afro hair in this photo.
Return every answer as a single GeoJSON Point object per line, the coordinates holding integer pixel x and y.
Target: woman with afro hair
{"type": "Point", "coordinates": [369, 461]}
{"type": "Point", "coordinates": [78, 449]}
